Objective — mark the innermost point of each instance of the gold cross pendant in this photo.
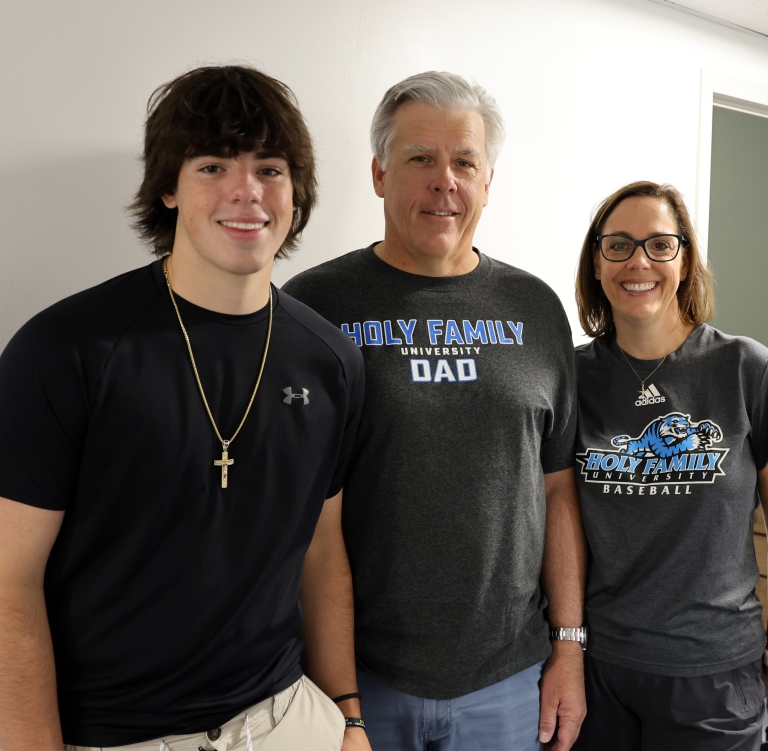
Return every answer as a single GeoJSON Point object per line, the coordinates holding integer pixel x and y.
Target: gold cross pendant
{"type": "Point", "coordinates": [224, 463]}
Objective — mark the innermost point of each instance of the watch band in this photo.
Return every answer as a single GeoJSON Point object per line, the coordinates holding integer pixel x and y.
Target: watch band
{"type": "Point", "coordinates": [354, 722]}
{"type": "Point", "coordinates": [569, 634]}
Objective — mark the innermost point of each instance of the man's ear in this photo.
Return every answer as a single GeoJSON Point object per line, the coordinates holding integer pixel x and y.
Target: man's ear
{"type": "Point", "coordinates": [378, 177]}
{"type": "Point", "coordinates": [487, 188]}
{"type": "Point", "coordinates": [169, 199]}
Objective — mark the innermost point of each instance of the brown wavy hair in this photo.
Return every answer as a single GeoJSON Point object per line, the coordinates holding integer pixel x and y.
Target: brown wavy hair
{"type": "Point", "coordinates": [220, 111]}
{"type": "Point", "coordinates": [695, 296]}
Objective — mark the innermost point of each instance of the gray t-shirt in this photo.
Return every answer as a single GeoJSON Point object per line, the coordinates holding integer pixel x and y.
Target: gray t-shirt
{"type": "Point", "coordinates": [667, 484]}
{"type": "Point", "coordinates": [470, 393]}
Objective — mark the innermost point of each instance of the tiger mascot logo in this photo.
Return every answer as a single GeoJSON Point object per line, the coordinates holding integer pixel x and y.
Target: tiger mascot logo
{"type": "Point", "coordinates": [670, 435]}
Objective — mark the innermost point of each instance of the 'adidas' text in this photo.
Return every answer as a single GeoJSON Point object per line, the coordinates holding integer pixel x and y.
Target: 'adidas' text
{"type": "Point", "coordinates": [650, 396]}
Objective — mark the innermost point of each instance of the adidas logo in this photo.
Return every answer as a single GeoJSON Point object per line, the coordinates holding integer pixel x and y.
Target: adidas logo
{"type": "Point", "coordinates": [650, 396]}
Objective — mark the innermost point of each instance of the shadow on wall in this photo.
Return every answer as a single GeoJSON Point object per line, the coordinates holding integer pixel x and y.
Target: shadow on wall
{"type": "Point", "coordinates": [64, 228]}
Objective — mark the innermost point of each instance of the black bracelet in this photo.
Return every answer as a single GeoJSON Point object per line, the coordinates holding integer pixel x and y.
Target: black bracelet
{"type": "Point", "coordinates": [354, 722]}
{"type": "Point", "coordinates": [344, 697]}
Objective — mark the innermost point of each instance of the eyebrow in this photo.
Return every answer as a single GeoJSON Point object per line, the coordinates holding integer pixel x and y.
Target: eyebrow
{"type": "Point", "coordinates": [421, 148]}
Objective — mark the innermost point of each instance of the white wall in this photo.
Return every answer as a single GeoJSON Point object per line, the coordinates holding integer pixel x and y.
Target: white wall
{"type": "Point", "coordinates": [596, 93]}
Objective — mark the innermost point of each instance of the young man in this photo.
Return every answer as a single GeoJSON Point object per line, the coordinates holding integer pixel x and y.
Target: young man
{"type": "Point", "coordinates": [460, 515]}
{"type": "Point", "coordinates": [172, 449]}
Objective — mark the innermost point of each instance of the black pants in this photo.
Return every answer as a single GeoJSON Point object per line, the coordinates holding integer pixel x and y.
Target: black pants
{"type": "Point", "coordinates": [629, 710]}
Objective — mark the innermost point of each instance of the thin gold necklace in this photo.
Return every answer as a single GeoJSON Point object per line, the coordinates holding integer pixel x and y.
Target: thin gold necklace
{"type": "Point", "coordinates": [225, 462]}
{"type": "Point", "coordinates": [647, 378]}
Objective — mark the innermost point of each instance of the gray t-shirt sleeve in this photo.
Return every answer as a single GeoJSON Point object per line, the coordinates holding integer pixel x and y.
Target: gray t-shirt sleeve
{"type": "Point", "coordinates": [557, 452]}
{"type": "Point", "coordinates": [759, 435]}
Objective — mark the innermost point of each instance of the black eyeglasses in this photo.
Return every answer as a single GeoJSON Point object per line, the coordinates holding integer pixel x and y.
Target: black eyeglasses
{"type": "Point", "coordinates": [658, 248]}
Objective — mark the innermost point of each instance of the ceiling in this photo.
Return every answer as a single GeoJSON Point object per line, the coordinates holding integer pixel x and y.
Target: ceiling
{"type": "Point", "coordinates": [750, 15]}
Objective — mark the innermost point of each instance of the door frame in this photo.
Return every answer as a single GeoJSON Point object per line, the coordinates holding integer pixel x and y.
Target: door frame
{"type": "Point", "coordinates": [732, 93]}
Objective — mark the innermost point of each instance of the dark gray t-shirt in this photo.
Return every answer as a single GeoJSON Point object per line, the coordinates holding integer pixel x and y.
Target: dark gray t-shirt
{"type": "Point", "coordinates": [469, 400]}
{"type": "Point", "coordinates": [667, 484]}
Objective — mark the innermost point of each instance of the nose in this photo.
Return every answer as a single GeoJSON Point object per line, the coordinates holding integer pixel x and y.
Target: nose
{"type": "Point", "coordinates": [246, 188]}
{"type": "Point", "coordinates": [444, 181]}
{"type": "Point", "coordinates": [638, 259]}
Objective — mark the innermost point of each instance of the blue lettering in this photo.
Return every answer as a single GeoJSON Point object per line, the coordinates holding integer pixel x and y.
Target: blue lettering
{"type": "Point", "coordinates": [491, 332]}
{"type": "Point", "coordinates": [713, 460]}
{"type": "Point", "coordinates": [355, 335]}
{"type": "Point", "coordinates": [649, 465]}
{"type": "Point", "coordinates": [593, 461]}
{"type": "Point", "coordinates": [443, 370]}
{"type": "Point", "coordinates": [517, 330]}
{"type": "Point", "coordinates": [610, 461]}
{"type": "Point", "coordinates": [503, 339]}
{"type": "Point", "coordinates": [452, 333]}
{"type": "Point", "coordinates": [407, 329]}
{"type": "Point", "coordinates": [678, 463]}
{"type": "Point", "coordinates": [477, 333]}
{"type": "Point", "coordinates": [466, 370]}
{"type": "Point", "coordinates": [435, 329]}
{"type": "Point", "coordinates": [372, 331]}
{"type": "Point", "coordinates": [388, 338]}
{"type": "Point", "coordinates": [420, 371]}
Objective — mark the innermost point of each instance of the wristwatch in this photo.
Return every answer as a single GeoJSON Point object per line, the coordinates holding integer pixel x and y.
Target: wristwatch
{"type": "Point", "coordinates": [569, 634]}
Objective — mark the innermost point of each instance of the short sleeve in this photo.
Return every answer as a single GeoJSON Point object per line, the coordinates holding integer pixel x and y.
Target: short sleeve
{"type": "Point", "coordinates": [559, 443]}
{"type": "Point", "coordinates": [759, 434]}
{"type": "Point", "coordinates": [43, 415]}
{"type": "Point", "coordinates": [558, 452]}
{"type": "Point", "coordinates": [355, 378]}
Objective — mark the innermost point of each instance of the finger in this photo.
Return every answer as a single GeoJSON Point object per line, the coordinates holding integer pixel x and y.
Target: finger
{"type": "Point", "coordinates": [567, 733]}
{"type": "Point", "coordinates": [547, 722]}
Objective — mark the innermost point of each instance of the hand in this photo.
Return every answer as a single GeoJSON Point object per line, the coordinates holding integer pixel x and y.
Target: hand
{"type": "Point", "coordinates": [563, 705]}
{"type": "Point", "coordinates": [765, 671]}
{"type": "Point", "coordinates": [355, 739]}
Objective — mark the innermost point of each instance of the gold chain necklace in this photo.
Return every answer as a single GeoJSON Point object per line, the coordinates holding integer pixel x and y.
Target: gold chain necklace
{"type": "Point", "coordinates": [225, 462]}
{"type": "Point", "coordinates": [647, 378]}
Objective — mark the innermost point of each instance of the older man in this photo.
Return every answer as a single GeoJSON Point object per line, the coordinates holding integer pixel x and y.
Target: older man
{"type": "Point", "coordinates": [460, 511]}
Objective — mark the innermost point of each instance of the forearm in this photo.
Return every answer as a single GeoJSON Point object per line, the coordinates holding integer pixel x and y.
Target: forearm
{"type": "Point", "coordinates": [29, 717]}
{"type": "Point", "coordinates": [564, 565]}
{"type": "Point", "coordinates": [326, 596]}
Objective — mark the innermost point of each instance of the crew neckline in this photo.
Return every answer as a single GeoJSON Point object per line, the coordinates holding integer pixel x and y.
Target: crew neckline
{"type": "Point", "coordinates": [475, 275]}
{"type": "Point", "coordinates": [189, 309]}
{"type": "Point", "coordinates": [672, 359]}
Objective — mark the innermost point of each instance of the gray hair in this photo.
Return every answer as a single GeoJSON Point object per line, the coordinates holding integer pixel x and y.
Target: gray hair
{"type": "Point", "coordinates": [443, 90]}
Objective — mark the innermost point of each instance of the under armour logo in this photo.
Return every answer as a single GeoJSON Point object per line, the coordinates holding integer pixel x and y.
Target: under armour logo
{"type": "Point", "coordinates": [290, 396]}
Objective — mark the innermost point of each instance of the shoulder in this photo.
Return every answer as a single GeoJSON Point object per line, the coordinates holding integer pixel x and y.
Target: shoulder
{"type": "Point", "coordinates": [92, 318]}
{"type": "Point", "coordinates": [522, 285]}
{"type": "Point", "coordinates": [746, 352]}
{"type": "Point", "coordinates": [337, 343]}
{"type": "Point", "coordinates": [344, 270]}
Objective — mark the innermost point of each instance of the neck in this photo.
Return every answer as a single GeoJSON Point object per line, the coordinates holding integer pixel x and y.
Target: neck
{"type": "Point", "coordinates": [218, 290]}
{"type": "Point", "coordinates": [651, 340]}
{"type": "Point", "coordinates": [396, 254]}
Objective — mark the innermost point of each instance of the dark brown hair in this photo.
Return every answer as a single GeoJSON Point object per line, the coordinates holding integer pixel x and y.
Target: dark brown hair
{"type": "Point", "coordinates": [220, 111]}
{"type": "Point", "coordinates": [695, 298]}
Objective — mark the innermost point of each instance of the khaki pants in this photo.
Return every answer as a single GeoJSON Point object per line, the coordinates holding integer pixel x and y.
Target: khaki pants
{"type": "Point", "coordinates": [301, 718]}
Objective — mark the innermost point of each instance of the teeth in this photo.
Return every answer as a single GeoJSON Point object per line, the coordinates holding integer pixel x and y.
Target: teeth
{"type": "Point", "coordinates": [244, 225]}
{"type": "Point", "coordinates": [442, 213]}
{"type": "Point", "coordinates": [644, 287]}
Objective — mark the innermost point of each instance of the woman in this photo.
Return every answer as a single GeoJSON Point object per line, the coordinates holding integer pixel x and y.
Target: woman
{"type": "Point", "coordinates": [673, 442]}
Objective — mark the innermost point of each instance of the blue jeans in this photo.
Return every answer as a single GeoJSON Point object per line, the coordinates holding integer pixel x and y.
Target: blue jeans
{"type": "Point", "coordinates": [500, 717]}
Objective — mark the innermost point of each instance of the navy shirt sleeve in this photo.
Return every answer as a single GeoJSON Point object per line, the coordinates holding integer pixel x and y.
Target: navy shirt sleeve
{"type": "Point", "coordinates": [43, 414]}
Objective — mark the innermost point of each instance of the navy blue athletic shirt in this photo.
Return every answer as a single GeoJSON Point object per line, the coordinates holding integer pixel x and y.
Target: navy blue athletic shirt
{"type": "Point", "coordinates": [173, 603]}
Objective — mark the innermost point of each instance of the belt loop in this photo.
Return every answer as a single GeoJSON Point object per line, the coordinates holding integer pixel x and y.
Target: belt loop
{"type": "Point", "coordinates": [278, 707]}
{"type": "Point", "coordinates": [248, 741]}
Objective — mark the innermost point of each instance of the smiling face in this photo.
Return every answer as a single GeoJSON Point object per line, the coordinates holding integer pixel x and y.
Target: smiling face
{"type": "Point", "coordinates": [435, 185]}
{"type": "Point", "coordinates": [234, 213]}
{"type": "Point", "coordinates": [641, 291]}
